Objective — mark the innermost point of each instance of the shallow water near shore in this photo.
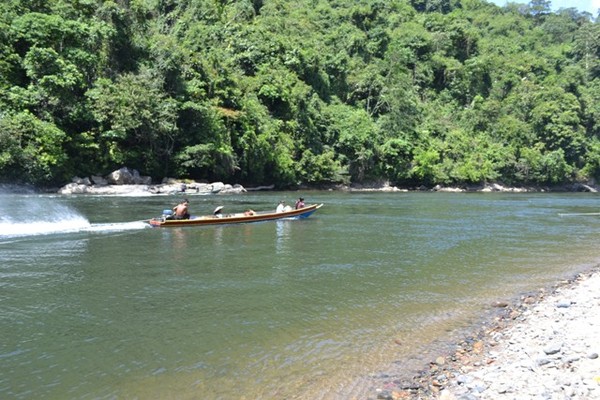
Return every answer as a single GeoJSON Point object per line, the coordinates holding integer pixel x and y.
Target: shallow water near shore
{"type": "Point", "coordinates": [95, 304]}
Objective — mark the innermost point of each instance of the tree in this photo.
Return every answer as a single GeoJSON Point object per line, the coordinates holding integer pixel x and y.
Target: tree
{"type": "Point", "coordinates": [355, 140]}
{"type": "Point", "coordinates": [260, 92]}
{"type": "Point", "coordinates": [32, 149]}
{"type": "Point", "coordinates": [587, 48]}
{"type": "Point", "coordinates": [556, 121]}
{"type": "Point", "coordinates": [136, 122]}
{"type": "Point", "coordinates": [539, 8]}
{"type": "Point", "coordinates": [207, 152]}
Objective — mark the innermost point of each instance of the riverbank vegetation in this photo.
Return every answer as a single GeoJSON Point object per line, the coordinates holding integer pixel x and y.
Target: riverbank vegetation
{"type": "Point", "coordinates": [411, 92]}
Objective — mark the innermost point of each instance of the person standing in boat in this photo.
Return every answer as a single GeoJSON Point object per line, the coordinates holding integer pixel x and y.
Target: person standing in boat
{"type": "Point", "coordinates": [300, 203]}
{"type": "Point", "coordinates": [181, 210]}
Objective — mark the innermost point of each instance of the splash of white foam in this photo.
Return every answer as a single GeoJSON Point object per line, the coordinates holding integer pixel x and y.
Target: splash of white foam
{"type": "Point", "coordinates": [22, 216]}
{"type": "Point", "coordinates": [117, 227]}
{"type": "Point", "coordinates": [12, 229]}
{"type": "Point", "coordinates": [19, 229]}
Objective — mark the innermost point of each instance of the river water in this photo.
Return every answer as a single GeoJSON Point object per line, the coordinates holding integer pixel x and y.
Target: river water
{"type": "Point", "coordinates": [95, 304]}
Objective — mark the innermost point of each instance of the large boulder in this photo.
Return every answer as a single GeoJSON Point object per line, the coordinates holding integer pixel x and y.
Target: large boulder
{"type": "Point", "coordinates": [122, 176]}
{"type": "Point", "coordinates": [217, 187]}
{"type": "Point", "coordinates": [81, 181]}
{"type": "Point", "coordinates": [73, 188]}
{"type": "Point", "coordinates": [99, 181]}
{"type": "Point", "coordinates": [141, 180]}
{"type": "Point", "coordinates": [126, 176]}
{"type": "Point", "coordinates": [229, 189]}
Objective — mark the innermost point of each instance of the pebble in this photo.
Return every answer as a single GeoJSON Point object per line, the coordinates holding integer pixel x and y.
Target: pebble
{"type": "Point", "coordinates": [548, 352]}
{"type": "Point", "coordinates": [553, 349]}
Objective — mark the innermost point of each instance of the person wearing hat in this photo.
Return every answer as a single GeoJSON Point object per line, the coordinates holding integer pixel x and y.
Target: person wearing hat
{"type": "Point", "coordinates": [217, 213]}
{"type": "Point", "coordinates": [300, 203]}
{"type": "Point", "coordinates": [181, 210]}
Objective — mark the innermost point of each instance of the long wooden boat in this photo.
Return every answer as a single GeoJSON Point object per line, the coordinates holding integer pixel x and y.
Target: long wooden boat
{"type": "Point", "coordinates": [239, 218]}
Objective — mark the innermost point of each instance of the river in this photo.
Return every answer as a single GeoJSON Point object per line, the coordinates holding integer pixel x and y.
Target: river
{"type": "Point", "coordinates": [95, 304]}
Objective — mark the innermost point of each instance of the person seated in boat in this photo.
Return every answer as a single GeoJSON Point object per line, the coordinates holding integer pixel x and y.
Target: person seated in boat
{"type": "Point", "coordinates": [300, 203]}
{"type": "Point", "coordinates": [280, 207]}
{"type": "Point", "coordinates": [248, 213]}
{"type": "Point", "coordinates": [218, 212]}
{"type": "Point", "coordinates": [181, 210]}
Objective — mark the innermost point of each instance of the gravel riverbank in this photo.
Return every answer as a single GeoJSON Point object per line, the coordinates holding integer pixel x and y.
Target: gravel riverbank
{"type": "Point", "coordinates": [545, 347]}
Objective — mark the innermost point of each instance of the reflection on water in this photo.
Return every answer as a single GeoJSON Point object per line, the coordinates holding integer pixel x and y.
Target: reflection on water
{"type": "Point", "coordinates": [218, 236]}
{"type": "Point", "coordinates": [283, 232]}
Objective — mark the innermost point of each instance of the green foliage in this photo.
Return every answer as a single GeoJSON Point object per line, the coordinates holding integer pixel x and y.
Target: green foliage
{"type": "Point", "coordinates": [540, 166]}
{"type": "Point", "coordinates": [591, 169]}
{"type": "Point", "coordinates": [136, 121]}
{"type": "Point", "coordinates": [427, 167]}
{"type": "Point", "coordinates": [396, 158]}
{"type": "Point", "coordinates": [590, 98]}
{"type": "Point", "coordinates": [208, 156]}
{"type": "Point", "coordinates": [308, 92]}
{"type": "Point", "coordinates": [318, 168]}
{"type": "Point", "coordinates": [355, 137]}
{"type": "Point", "coordinates": [31, 149]}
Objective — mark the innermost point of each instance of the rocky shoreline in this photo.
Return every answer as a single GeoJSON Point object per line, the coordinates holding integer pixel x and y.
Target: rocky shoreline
{"type": "Point", "coordinates": [128, 182]}
{"type": "Point", "coordinates": [545, 346]}
{"type": "Point", "coordinates": [488, 187]}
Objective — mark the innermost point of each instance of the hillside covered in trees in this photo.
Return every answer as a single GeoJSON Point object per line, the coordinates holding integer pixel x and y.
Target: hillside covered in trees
{"type": "Point", "coordinates": [414, 92]}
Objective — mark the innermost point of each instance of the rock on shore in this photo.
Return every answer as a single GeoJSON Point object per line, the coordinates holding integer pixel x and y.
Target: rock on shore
{"type": "Point", "coordinates": [125, 181]}
{"type": "Point", "coordinates": [129, 182]}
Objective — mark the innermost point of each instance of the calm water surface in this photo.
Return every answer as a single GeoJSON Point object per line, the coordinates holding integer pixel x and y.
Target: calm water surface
{"type": "Point", "coordinates": [94, 304]}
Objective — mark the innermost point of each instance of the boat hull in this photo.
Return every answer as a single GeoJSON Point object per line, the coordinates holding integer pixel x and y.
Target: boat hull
{"type": "Point", "coordinates": [235, 218]}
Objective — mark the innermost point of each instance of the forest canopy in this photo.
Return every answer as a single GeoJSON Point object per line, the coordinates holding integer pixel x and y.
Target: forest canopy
{"type": "Point", "coordinates": [310, 92]}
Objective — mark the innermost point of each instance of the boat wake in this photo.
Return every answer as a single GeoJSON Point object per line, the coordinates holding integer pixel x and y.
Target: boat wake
{"type": "Point", "coordinates": [33, 228]}
{"type": "Point", "coordinates": [75, 225]}
{"type": "Point", "coordinates": [118, 227]}
{"type": "Point", "coordinates": [61, 223]}
{"type": "Point", "coordinates": [31, 215]}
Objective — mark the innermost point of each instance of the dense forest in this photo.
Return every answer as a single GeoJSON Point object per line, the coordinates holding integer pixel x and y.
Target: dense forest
{"type": "Point", "coordinates": [304, 92]}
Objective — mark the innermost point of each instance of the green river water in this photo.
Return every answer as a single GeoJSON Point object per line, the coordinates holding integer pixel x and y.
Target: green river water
{"type": "Point", "coordinates": [95, 304]}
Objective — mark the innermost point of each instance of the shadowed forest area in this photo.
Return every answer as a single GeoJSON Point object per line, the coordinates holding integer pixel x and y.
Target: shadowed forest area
{"type": "Point", "coordinates": [309, 92]}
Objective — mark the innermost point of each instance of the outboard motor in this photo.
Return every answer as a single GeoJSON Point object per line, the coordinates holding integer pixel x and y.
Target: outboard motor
{"type": "Point", "coordinates": [167, 214]}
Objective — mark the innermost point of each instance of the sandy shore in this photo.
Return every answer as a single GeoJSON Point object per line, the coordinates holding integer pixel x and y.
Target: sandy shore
{"type": "Point", "coordinates": [544, 347]}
